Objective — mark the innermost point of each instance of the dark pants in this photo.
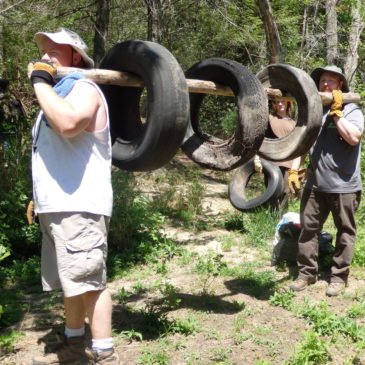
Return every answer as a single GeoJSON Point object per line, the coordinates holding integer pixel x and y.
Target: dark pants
{"type": "Point", "coordinates": [314, 210]}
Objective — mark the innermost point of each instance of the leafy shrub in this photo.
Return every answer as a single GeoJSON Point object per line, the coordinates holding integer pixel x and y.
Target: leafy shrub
{"type": "Point", "coordinates": [11, 308]}
{"type": "Point", "coordinates": [24, 272]}
{"type": "Point", "coordinates": [7, 340]}
{"type": "Point", "coordinates": [171, 300]}
{"type": "Point", "coordinates": [180, 197]}
{"type": "Point", "coordinates": [14, 278]}
{"type": "Point", "coordinates": [209, 267]}
{"type": "Point", "coordinates": [284, 300]}
{"type": "Point", "coordinates": [359, 253]}
{"type": "Point", "coordinates": [218, 116]}
{"type": "Point", "coordinates": [4, 252]}
{"type": "Point", "coordinates": [135, 228]}
{"type": "Point", "coordinates": [16, 236]}
{"type": "Point", "coordinates": [311, 351]}
{"type": "Point", "coordinates": [327, 323]}
{"type": "Point", "coordinates": [133, 217]}
{"type": "Point", "coordinates": [356, 310]}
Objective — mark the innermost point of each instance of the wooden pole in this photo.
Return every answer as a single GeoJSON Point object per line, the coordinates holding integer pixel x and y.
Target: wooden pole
{"type": "Point", "coordinates": [110, 77]}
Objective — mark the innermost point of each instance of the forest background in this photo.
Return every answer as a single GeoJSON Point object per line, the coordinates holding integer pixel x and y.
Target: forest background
{"type": "Point", "coordinates": [311, 33]}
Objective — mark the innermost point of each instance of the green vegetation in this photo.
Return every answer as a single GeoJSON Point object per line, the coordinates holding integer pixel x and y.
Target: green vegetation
{"type": "Point", "coordinates": [284, 299]}
{"type": "Point", "coordinates": [233, 280]}
{"type": "Point", "coordinates": [327, 323]}
{"type": "Point", "coordinates": [312, 350]}
{"type": "Point", "coordinates": [209, 268]}
{"type": "Point", "coordinates": [140, 249]}
{"type": "Point", "coordinates": [7, 341]}
{"type": "Point", "coordinates": [153, 356]}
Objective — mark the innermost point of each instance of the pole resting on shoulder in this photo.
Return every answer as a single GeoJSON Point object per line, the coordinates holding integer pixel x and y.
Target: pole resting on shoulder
{"type": "Point", "coordinates": [110, 77]}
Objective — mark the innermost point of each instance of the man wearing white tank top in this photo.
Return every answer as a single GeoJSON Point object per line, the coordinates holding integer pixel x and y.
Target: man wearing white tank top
{"type": "Point", "coordinates": [71, 170]}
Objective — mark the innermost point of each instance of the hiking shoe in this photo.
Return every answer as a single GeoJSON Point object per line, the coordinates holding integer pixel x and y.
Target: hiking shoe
{"type": "Point", "coordinates": [301, 284]}
{"type": "Point", "coordinates": [335, 289]}
{"type": "Point", "coordinates": [69, 351]}
{"type": "Point", "coordinates": [107, 357]}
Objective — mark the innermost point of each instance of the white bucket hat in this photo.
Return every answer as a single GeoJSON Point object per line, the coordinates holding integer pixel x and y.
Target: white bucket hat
{"type": "Point", "coordinates": [66, 36]}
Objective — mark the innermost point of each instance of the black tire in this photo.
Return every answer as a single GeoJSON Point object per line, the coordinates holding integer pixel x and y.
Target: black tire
{"type": "Point", "coordinates": [138, 145]}
{"type": "Point", "coordinates": [252, 106]}
{"type": "Point", "coordinates": [238, 184]}
{"type": "Point", "coordinates": [301, 86]}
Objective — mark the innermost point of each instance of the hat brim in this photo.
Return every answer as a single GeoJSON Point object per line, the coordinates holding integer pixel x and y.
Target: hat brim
{"type": "Point", "coordinates": [59, 38]}
{"type": "Point", "coordinates": [316, 75]}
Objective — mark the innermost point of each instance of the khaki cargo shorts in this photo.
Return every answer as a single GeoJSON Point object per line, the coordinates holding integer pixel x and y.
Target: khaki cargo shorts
{"type": "Point", "coordinates": [74, 250]}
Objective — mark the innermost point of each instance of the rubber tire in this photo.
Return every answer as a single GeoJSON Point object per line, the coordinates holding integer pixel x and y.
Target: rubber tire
{"type": "Point", "coordinates": [310, 111]}
{"type": "Point", "coordinates": [252, 105]}
{"type": "Point", "coordinates": [139, 146]}
{"type": "Point", "coordinates": [237, 186]}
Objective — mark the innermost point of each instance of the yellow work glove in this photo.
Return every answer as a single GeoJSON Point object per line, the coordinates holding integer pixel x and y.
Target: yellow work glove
{"type": "Point", "coordinates": [293, 181]}
{"type": "Point", "coordinates": [43, 71]}
{"type": "Point", "coordinates": [31, 213]}
{"type": "Point", "coordinates": [336, 106]}
{"type": "Point", "coordinates": [257, 164]}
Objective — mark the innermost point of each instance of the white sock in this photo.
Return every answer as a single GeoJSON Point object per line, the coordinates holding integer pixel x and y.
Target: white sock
{"type": "Point", "coordinates": [70, 332]}
{"type": "Point", "coordinates": [102, 344]}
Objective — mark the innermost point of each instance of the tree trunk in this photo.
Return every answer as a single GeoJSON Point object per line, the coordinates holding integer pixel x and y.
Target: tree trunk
{"type": "Point", "coordinates": [150, 13]}
{"type": "Point", "coordinates": [272, 33]}
{"type": "Point", "coordinates": [304, 36]}
{"type": "Point", "coordinates": [1, 47]}
{"type": "Point", "coordinates": [331, 32]}
{"type": "Point", "coordinates": [352, 57]}
{"type": "Point", "coordinates": [101, 29]}
{"type": "Point", "coordinates": [156, 19]}
{"type": "Point", "coordinates": [309, 42]}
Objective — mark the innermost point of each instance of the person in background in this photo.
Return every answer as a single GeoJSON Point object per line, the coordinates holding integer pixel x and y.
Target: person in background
{"type": "Point", "coordinates": [333, 184]}
{"type": "Point", "coordinates": [71, 171]}
{"type": "Point", "coordinates": [280, 125]}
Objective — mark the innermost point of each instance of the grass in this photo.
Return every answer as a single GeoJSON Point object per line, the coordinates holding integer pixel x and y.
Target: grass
{"type": "Point", "coordinates": [311, 350]}
{"type": "Point", "coordinates": [259, 284]}
{"type": "Point", "coordinates": [154, 356]}
{"type": "Point", "coordinates": [260, 227]}
{"type": "Point", "coordinates": [229, 241]}
{"type": "Point", "coordinates": [323, 321]}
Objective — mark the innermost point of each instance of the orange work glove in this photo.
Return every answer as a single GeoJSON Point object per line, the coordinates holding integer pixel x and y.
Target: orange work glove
{"type": "Point", "coordinates": [31, 213]}
{"type": "Point", "coordinates": [43, 71]}
{"type": "Point", "coordinates": [293, 181]}
{"type": "Point", "coordinates": [336, 106]}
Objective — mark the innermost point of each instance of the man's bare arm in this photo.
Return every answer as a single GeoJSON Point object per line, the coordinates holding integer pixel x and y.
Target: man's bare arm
{"type": "Point", "coordinates": [69, 116]}
{"type": "Point", "coordinates": [349, 132]}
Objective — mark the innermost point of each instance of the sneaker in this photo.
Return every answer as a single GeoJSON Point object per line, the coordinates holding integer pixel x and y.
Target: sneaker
{"type": "Point", "coordinates": [335, 289]}
{"type": "Point", "coordinates": [301, 284]}
{"type": "Point", "coordinates": [69, 351]}
{"type": "Point", "coordinates": [106, 357]}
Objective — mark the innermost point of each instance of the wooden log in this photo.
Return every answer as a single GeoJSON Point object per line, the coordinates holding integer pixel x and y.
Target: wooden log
{"type": "Point", "coordinates": [110, 77]}
{"type": "Point", "coordinates": [327, 98]}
